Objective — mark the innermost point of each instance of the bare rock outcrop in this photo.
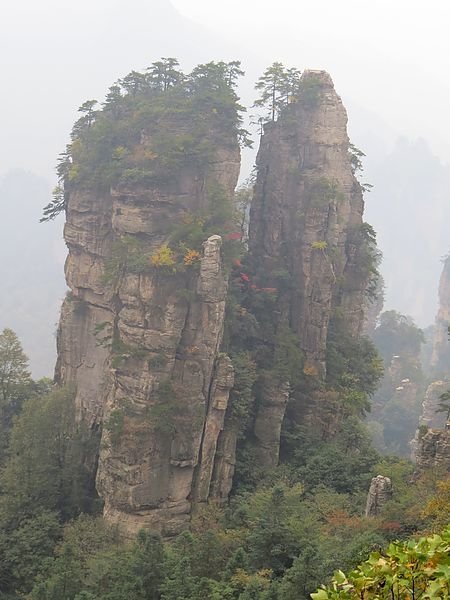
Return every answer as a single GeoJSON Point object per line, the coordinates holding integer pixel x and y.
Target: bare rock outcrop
{"type": "Point", "coordinates": [307, 239]}
{"type": "Point", "coordinates": [431, 416]}
{"type": "Point", "coordinates": [440, 359]}
{"type": "Point", "coordinates": [433, 450]}
{"type": "Point", "coordinates": [140, 339]}
{"type": "Point", "coordinates": [141, 330]}
{"type": "Point", "coordinates": [268, 421]}
{"type": "Point", "coordinates": [380, 492]}
{"type": "Point", "coordinates": [306, 217]}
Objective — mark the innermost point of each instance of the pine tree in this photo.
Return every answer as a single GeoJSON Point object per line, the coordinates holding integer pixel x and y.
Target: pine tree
{"type": "Point", "coordinates": [272, 88]}
{"type": "Point", "coordinates": [278, 87]}
{"type": "Point", "coordinates": [164, 74]}
{"type": "Point", "coordinates": [14, 374]}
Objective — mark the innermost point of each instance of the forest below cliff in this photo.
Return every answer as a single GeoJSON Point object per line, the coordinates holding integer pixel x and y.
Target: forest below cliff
{"type": "Point", "coordinates": [209, 433]}
{"type": "Point", "coordinates": [282, 535]}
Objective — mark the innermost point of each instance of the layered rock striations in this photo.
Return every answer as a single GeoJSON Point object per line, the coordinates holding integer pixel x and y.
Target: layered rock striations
{"type": "Point", "coordinates": [306, 216]}
{"type": "Point", "coordinates": [440, 359]}
{"type": "Point", "coordinates": [307, 239]}
{"type": "Point", "coordinates": [431, 445]}
{"type": "Point", "coordinates": [380, 492]}
{"type": "Point", "coordinates": [433, 450]}
{"type": "Point", "coordinates": [141, 328]}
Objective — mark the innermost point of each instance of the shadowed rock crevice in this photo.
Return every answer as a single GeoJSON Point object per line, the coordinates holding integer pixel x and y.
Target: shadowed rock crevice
{"type": "Point", "coordinates": [307, 240]}
{"type": "Point", "coordinates": [141, 331]}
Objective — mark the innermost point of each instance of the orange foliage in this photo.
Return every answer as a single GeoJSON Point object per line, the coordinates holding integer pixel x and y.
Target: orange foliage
{"type": "Point", "coordinates": [191, 257]}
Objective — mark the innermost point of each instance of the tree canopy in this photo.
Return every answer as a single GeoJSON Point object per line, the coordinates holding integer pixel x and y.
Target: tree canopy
{"type": "Point", "coordinates": [188, 115]}
{"type": "Point", "coordinates": [406, 571]}
{"type": "Point", "coordinates": [277, 86]}
{"type": "Point", "coordinates": [14, 373]}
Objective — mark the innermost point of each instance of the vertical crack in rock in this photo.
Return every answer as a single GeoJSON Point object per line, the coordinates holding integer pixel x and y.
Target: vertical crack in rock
{"type": "Point", "coordinates": [431, 448]}
{"type": "Point", "coordinates": [140, 333]}
{"type": "Point", "coordinates": [306, 237]}
{"type": "Point", "coordinates": [380, 492]}
{"type": "Point", "coordinates": [141, 343]}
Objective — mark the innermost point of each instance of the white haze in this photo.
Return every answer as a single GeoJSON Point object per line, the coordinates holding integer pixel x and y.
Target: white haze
{"type": "Point", "coordinates": [389, 62]}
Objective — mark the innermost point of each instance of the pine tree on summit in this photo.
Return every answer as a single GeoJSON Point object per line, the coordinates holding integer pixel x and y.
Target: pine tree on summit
{"type": "Point", "coordinates": [164, 74]}
{"type": "Point", "coordinates": [277, 86]}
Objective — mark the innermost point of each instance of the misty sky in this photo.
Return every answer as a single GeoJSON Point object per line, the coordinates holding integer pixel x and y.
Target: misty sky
{"type": "Point", "coordinates": [390, 56]}
{"type": "Point", "coordinates": [388, 59]}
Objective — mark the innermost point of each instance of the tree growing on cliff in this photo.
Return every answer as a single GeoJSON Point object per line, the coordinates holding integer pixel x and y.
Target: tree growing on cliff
{"type": "Point", "coordinates": [133, 83]}
{"type": "Point", "coordinates": [164, 74]}
{"type": "Point", "coordinates": [444, 404]}
{"type": "Point", "coordinates": [87, 109]}
{"type": "Point", "coordinates": [113, 101]}
{"type": "Point", "coordinates": [271, 88]}
{"type": "Point", "coordinates": [86, 120]}
{"type": "Point", "coordinates": [216, 75]}
{"type": "Point", "coordinates": [277, 87]}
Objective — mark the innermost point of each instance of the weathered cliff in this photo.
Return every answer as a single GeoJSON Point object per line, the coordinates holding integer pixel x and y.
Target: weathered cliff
{"type": "Point", "coordinates": [431, 444]}
{"type": "Point", "coordinates": [307, 239]}
{"type": "Point", "coordinates": [306, 216]}
{"type": "Point", "coordinates": [148, 195]}
{"type": "Point", "coordinates": [433, 450]}
{"type": "Point", "coordinates": [440, 359]}
{"type": "Point", "coordinates": [141, 328]}
{"type": "Point", "coordinates": [380, 492]}
{"type": "Point", "coordinates": [431, 415]}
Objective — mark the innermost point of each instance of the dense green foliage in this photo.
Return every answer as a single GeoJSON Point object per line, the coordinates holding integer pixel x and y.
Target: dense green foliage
{"type": "Point", "coordinates": [47, 455]}
{"type": "Point", "coordinates": [279, 541]}
{"type": "Point", "coordinates": [151, 124]}
{"type": "Point", "coordinates": [406, 571]}
{"type": "Point", "coordinates": [14, 375]}
{"type": "Point", "coordinates": [45, 481]}
{"type": "Point", "coordinates": [277, 87]}
{"type": "Point", "coordinates": [283, 534]}
{"type": "Point", "coordinates": [257, 332]}
{"type": "Point", "coordinates": [285, 529]}
{"type": "Point", "coordinates": [15, 383]}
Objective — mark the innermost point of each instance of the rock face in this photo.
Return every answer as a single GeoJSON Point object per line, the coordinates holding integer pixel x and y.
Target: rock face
{"type": "Point", "coordinates": [430, 416]}
{"type": "Point", "coordinates": [268, 421]}
{"type": "Point", "coordinates": [440, 359]}
{"type": "Point", "coordinates": [380, 492]}
{"type": "Point", "coordinates": [306, 217]}
{"type": "Point", "coordinates": [140, 334]}
{"type": "Point", "coordinates": [142, 344]}
{"type": "Point", "coordinates": [433, 449]}
{"type": "Point", "coordinates": [307, 239]}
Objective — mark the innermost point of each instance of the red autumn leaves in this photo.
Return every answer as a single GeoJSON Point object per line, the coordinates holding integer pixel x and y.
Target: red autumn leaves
{"type": "Point", "coordinates": [247, 281]}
